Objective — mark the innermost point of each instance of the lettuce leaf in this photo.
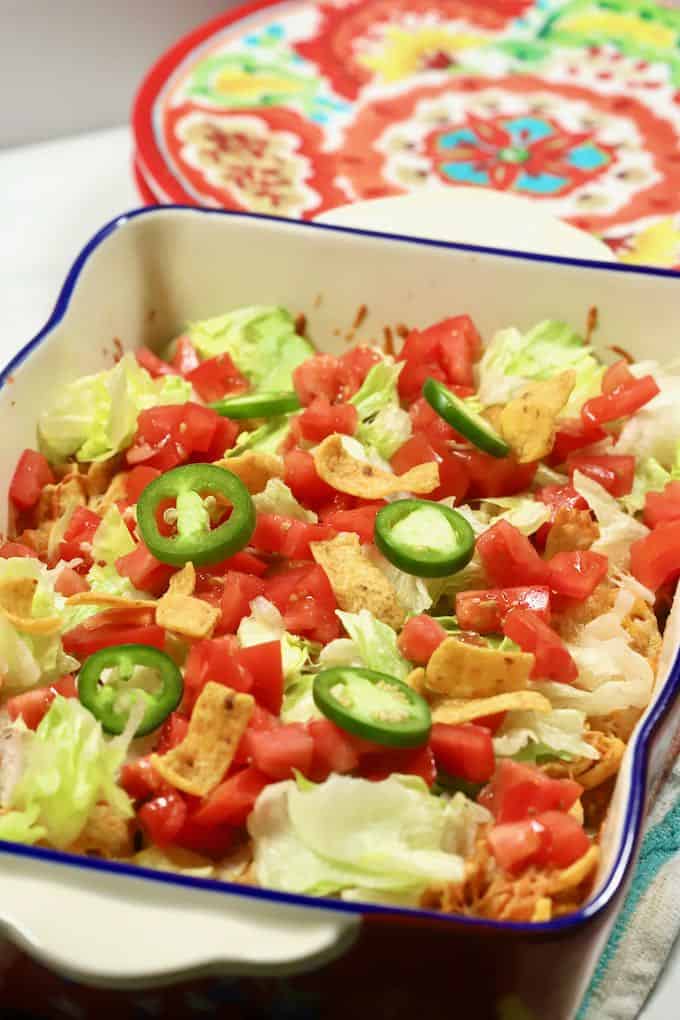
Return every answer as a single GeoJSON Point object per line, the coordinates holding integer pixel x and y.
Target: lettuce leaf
{"type": "Point", "coordinates": [523, 512]}
{"type": "Point", "coordinates": [378, 389]}
{"type": "Point", "coordinates": [654, 430]}
{"type": "Point", "coordinates": [106, 579]}
{"type": "Point", "coordinates": [112, 538]}
{"type": "Point", "coordinates": [261, 341]}
{"type": "Point", "coordinates": [554, 733]}
{"type": "Point", "coordinates": [513, 358]}
{"type": "Point", "coordinates": [276, 498]}
{"type": "Point", "coordinates": [412, 592]}
{"type": "Point", "coordinates": [96, 415]}
{"type": "Point", "coordinates": [650, 476]}
{"type": "Point", "coordinates": [266, 438]}
{"type": "Point", "coordinates": [193, 517]}
{"type": "Point", "coordinates": [387, 432]}
{"type": "Point", "coordinates": [348, 833]}
{"type": "Point", "coordinates": [383, 424]}
{"type": "Point", "coordinates": [67, 767]}
{"type": "Point", "coordinates": [375, 643]}
{"type": "Point", "coordinates": [20, 827]}
{"type": "Point", "coordinates": [618, 530]}
{"type": "Point", "coordinates": [265, 623]}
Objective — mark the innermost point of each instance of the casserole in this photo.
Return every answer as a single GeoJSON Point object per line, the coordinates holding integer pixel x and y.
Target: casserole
{"type": "Point", "coordinates": [138, 281]}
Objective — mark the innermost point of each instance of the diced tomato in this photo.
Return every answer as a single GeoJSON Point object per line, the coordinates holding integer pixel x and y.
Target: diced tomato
{"type": "Point", "coordinates": [333, 750]}
{"type": "Point", "coordinates": [244, 563]}
{"type": "Point", "coordinates": [519, 791]}
{"type": "Point", "coordinates": [278, 752]}
{"type": "Point", "coordinates": [186, 357]}
{"type": "Point", "coordinates": [223, 439]}
{"type": "Point", "coordinates": [484, 611]}
{"type": "Point", "coordinates": [516, 845]}
{"type": "Point", "coordinates": [215, 377]}
{"type": "Point", "coordinates": [417, 761]}
{"type": "Point", "coordinates": [137, 480]}
{"type": "Point", "coordinates": [322, 375]}
{"type": "Point", "coordinates": [494, 476]}
{"type": "Point", "coordinates": [213, 841]}
{"type": "Point", "coordinates": [453, 475]}
{"type": "Point", "coordinates": [577, 574]}
{"type": "Point", "coordinates": [31, 475]}
{"type": "Point", "coordinates": [300, 475]}
{"type": "Point", "coordinates": [305, 598]}
{"type": "Point", "coordinates": [660, 507]}
{"type": "Point", "coordinates": [140, 780]}
{"type": "Point", "coordinates": [558, 496]}
{"type": "Point", "coordinates": [655, 559]}
{"type": "Point", "coordinates": [173, 732]}
{"type": "Point", "coordinates": [213, 659]}
{"type": "Point", "coordinates": [445, 351]}
{"type": "Point", "coordinates": [233, 800]}
{"type": "Point", "coordinates": [163, 818]}
{"type": "Point", "coordinates": [356, 364]}
{"type": "Point", "coordinates": [425, 420]}
{"type": "Point", "coordinates": [420, 637]}
{"type": "Point", "coordinates": [10, 549]}
{"type": "Point", "coordinates": [574, 434]}
{"type": "Point", "coordinates": [532, 634]}
{"type": "Point", "coordinates": [77, 540]}
{"type": "Point", "coordinates": [144, 570]}
{"type": "Point", "coordinates": [614, 472]}
{"type": "Point", "coordinates": [321, 418]}
{"type": "Point", "coordinates": [34, 705]}
{"type": "Point", "coordinates": [154, 365]}
{"type": "Point", "coordinates": [617, 375]}
{"type": "Point", "coordinates": [260, 719]}
{"type": "Point", "coordinates": [465, 751]}
{"type": "Point", "coordinates": [69, 582]}
{"type": "Point", "coordinates": [88, 637]}
{"type": "Point", "coordinates": [509, 558]}
{"type": "Point", "coordinates": [263, 663]}
{"type": "Point", "coordinates": [238, 592]}
{"type": "Point", "coordinates": [491, 722]}
{"type": "Point", "coordinates": [361, 521]}
{"type": "Point", "coordinates": [564, 840]}
{"type": "Point", "coordinates": [416, 450]}
{"type": "Point", "coordinates": [288, 537]}
{"type": "Point", "coordinates": [620, 401]}
{"type": "Point", "coordinates": [169, 435]}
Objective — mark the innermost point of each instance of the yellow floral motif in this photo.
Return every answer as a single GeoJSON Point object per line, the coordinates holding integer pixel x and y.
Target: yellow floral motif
{"type": "Point", "coordinates": [615, 26]}
{"type": "Point", "coordinates": [253, 86]}
{"type": "Point", "coordinates": [658, 245]}
{"type": "Point", "coordinates": [407, 52]}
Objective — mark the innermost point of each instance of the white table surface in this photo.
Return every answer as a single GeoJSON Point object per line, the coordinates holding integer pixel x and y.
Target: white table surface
{"type": "Point", "coordinates": [53, 197]}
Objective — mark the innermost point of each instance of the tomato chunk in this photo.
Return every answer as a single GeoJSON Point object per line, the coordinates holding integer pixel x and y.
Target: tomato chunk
{"type": "Point", "coordinates": [552, 658]}
{"type": "Point", "coordinates": [34, 705]}
{"type": "Point", "coordinates": [305, 598]}
{"type": "Point", "coordinates": [144, 570]}
{"type": "Point", "coordinates": [519, 791]}
{"type": "Point", "coordinates": [321, 419]}
{"type": "Point", "coordinates": [137, 480]}
{"type": "Point", "coordinates": [288, 537]}
{"type": "Point", "coordinates": [614, 472]}
{"type": "Point", "coordinates": [551, 839]}
{"type": "Point", "coordinates": [333, 750]}
{"type": "Point", "coordinates": [420, 637]}
{"type": "Point", "coordinates": [233, 800]}
{"type": "Point", "coordinates": [300, 475]}
{"type": "Point", "coordinates": [69, 582]}
{"type": "Point", "coordinates": [620, 401]}
{"type": "Point", "coordinates": [465, 751]}
{"type": "Point", "coordinates": [11, 549]}
{"type": "Point", "coordinates": [89, 637]}
{"type": "Point", "coordinates": [173, 732]}
{"type": "Point", "coordinates": [77, 540]}
{"type": "Point", "coordinates": [216, 377]}
{"type": "Point", "coordinates": [140, 780]}
{"type": "Point", "coordinates": [574, 434]}
{"type": "Point", "coordinates": [655, 559]}
{"type": "Point", "coordinates": [360, 520]}
{"type": "Point", "coordinates": [577, 574]}
{"type": "Point", "coordinates": [493, 476]}
{"type": "Point", "coordinates": [263, 663]}
{"type": "Point", "coordinates": [516, 845]}
{"type": "Point", "coordinates": [661, 507]}
{"type": "Point", "coordinates": [163, 818]}
{"type": "Point", "coordinates": [239, 591]}
{"type": "Point", "coordinates": [154, 365]}
{"type": "Point", "coordinates": [509, 558]}
{"type": "Point", "coordinates": [277, 753]}
{"type": "Point", "coordinates": [323, 375]}
{"type": "Point", "coordinates": [484, 611]}
{"type": "Point", "coordinates": [409, 762]}
{"type": "Point", "coordinates": [31, 475]}
{"type": "Point", "coordinates": [186, 357]}
{"type": "Point", "coordinates": [214, 659]}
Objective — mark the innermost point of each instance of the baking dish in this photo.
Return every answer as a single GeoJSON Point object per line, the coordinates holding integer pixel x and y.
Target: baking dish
{"type": "Point", "coordinates": [139, 280]}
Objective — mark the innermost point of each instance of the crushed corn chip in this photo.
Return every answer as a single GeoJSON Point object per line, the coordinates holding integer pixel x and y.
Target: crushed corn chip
{"type": "Point", "coordinates": [186, 615]}
{"type": "Point", "coordinates": [16, 595]}
{"type": "Point", "coordinates": [542, 909]}
{"type": "Point", "coordinates": [416, 680]}
{"type": "Point", "coordinates": [576, 811]}
{"type": "Point", "coordinates": [464, 670]}
{"type": "Point", "coordinates": [102, 598]}
{"type": "Point", "coordinates": [115, 491]}
{"type": "Point", "coordinates": [254, 469]}
{"type": "Point", "coordinates": [571, 531]}
{"type": "Point", "coordinates": [106, 833]}
{"type": "Point", "coordinates": [568, 878]}
{"type": "Point", "coordinates": [101, 474]}
{"type": "Point", "coordinates": [454, 711]}
{"type": "Point", "coordinates": [356, 582]}
{"type": "Point", "coordinates": [586, 771]}
{"type": "Point", "coordinates": [528, 422]}
{"type": "Point", "coordinates": [218, 722]}
{"type": "Point", "coordinates": [184, 581]}
{"type": "Point", "coordinates": [347, 474]}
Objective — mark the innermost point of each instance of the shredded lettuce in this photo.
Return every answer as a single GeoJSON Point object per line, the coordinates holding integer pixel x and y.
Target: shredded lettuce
{"type": "Point", "coordinates": [261, 341]}
{"type": "Point", "coordinates": [543, 733]}
{"type": "Point", "coordinates": [375, 643]}
{"type": "Point", "coordinates": [265, 623]}
{"type": "Point", "coordinates": [193, 517]}
{"type": "Point", "coordinates": [107, 580]}
{"type": "Point", "coordinates": [266, 438]}
{"type": "Point", "coordinates": [67, 768]}
{"type": "Point", "coordinates": [412, 592]}
{"type": "Point", "coordinates": [383, 424]}
{"type": "Point", "coordinates": [277, 498]}
{"type": "Point", "coordinates": [112, 538]}
{"type": "Point", "coordinates": [654, 430]}
{"type": "Point", "coordinates": [513, 358]}
{"type": "Point", "coordinates": [20, 827]}
{"type": "Point", "coordinates": [96, 416]}
{"type": "Point", "coordinates": [388, 431]}
{"type": "Point", "coordinates": [523, 512]}
{"type": "Point", "coordinates": [175, 858]}
{"type": "Point", "coordinates": [650, 476]}
{"type": "Point", "coordinates": [349, 834]}
{"type": "Point", "coordinates": [378, 389]}
{"type": "Point", "coordinates": [29, 659]}
{"type": "Point", "coordinates": [618, 530]}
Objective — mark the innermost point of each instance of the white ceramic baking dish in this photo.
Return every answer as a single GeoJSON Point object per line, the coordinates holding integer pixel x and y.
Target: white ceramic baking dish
{"type": "Point", "coordinates": [138, 281]}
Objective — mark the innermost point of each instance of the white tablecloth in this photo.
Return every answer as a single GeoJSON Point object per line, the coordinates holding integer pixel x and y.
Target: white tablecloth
{"type": "Point", "coordinates": [53, 197]}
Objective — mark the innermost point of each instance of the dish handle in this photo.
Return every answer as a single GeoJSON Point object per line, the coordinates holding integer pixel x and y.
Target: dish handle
{"type": "Point", "coordinates": [105, 929]}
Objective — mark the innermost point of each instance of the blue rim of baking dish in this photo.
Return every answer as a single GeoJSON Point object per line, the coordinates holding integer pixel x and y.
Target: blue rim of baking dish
{"type": "Point", "coordinates": [636, 798]}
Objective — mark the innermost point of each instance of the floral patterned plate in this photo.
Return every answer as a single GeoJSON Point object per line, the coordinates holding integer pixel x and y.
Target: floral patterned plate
{"type": "Point", "coordinates": [293, 108]}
